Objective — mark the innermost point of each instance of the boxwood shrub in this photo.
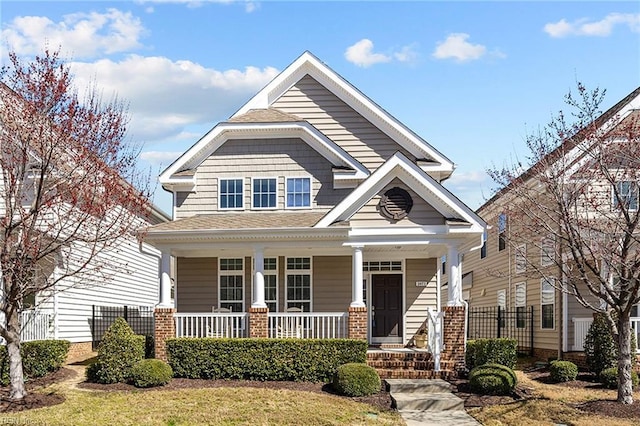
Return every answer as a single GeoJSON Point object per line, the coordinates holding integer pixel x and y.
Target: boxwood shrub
{"type": "Point", "coordinates": [39, 357]}
{"type": "Point", "coordinates": [356, 379]}
{"type": "Point", "coordinates": [492, 379]}
{"type": "Point", "coordinates": [313, 360]}
{"type": "Point", "coordinates": [563, 371]}
{"type": "Point", "coordinates": [496, 351]}
{"type": "Point", "coordinates": [150, 373]}
{"type": "Point", "coordinates": [609, 378]}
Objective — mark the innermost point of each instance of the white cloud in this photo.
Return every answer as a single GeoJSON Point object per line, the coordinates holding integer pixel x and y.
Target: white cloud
{"type": "Point", "coordinates": [584, 27]}
{"type": "Point", "coordinates": [160, 157]}
{"type": "Point", "coordinates": [249, 5]}
{"type": "Point", "coordinates": [456, 46]}
{"type": "Point", "coordinates": [362, 54]}
{"type": "Point", "coordinates": [165, 96]}
{"type": "Point", "coordinates": [82, 35]}
{"type": "Point", "coordinates": [407, 53]}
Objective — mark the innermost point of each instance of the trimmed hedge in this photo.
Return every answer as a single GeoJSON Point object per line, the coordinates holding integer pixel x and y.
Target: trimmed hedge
{"type": "Point", "coordinates": [150, 373]}
{"type": "Point", "coordinates": [39, 357]}
{"type": "Point", "coordinates": [609, 378]}
{"type": "Point", "coordinates": [311, 360]}
{"type": "Point", "coordinates": [356, 379]}
{"type": "Point", "coordinates": [491, 351]}
{"type": "Point", "coordinates": [563, 371]}
{"type": "Point", "coordinates": [492, 379]}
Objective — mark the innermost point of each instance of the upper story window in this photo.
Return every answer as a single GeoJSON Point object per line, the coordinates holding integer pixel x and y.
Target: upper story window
{"type": "Point", "coordinates": [483, 249]}
{"type": "Point", "coordinates": [521, 259]}
{"type": "Point", "coordinates": [298, 192]}
{"type": "Point", "coordinates": [264, 193]}
{"type": "Point", "coordinates": [231, 194]}
{"type": "Point", "coordinates": [628, 193]}
{"type": "Point", "coordinates": [502, 231]}
{"type": "Point", "coordinates": [547, 251]}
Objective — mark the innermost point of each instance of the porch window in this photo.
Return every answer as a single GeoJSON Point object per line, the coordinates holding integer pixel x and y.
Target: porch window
{"type": "Point", "coordinates": [628, 193]}
{"type": "Point", "coordinates": [231, 286]}
{"type": "Point", "coordinates": [298, 275]}
{"type": "Point", "coordinates": [264, 193]}
{"type": "Point", "coordinates": [502, 231]}
{"type": "Point", "coordinates": [393, 265]}
{"type": "Point", "coordinates": [231, 193]}
{"type": "Point", "coordinates": [521, 303]}
{"type": "Point", "coordinates": [521, 259]}
{"type": "Point", "coordinates": [548, 298]}
{"type": "Point", "coordinates": [271, 283]}
{"type": "Point", "coordinates": [547, 251]}
{"type": "Point", "coordinates": [298, 192]}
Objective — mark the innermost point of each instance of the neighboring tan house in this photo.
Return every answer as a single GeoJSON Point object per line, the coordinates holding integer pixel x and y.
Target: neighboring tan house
{"type": "Point", "coordinates": [313, 213]}
{"type": "Point", "coordinates": [500, 274]}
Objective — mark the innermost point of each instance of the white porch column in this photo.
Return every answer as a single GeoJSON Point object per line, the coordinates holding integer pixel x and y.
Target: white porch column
{"type": "Point", "coordinates": [258, 279]}
{"type": "Point", "coordinates": [357, 284]}
{"type": "Point", "coordinates": [455, 277]}
{"type": "Point", "coordinates": [165, 280]}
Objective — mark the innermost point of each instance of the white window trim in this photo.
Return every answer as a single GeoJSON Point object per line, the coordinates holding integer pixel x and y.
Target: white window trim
{"type": "Point", "coordinates": [613, 196]}
{"type": "Point", "coordinates": [275, 207]}
{"type": "Point", "coordinates": [542, 282]}
{"type": "Point", "coordinates": [266, 272]}
{"type": "Point", "coordinates": [230, 273]}
{"type": "Point", "coordinates": [220, 179]}
{"type": "Point", "coordinates": [288, 272]}
{"type": "Point", "coordinates": [547, 258]}
{"type": "Point", "coordinates": [520, 252]}
{"type": "Point", "coordinates": [286, 193]}
{"type": "Point", "coordinates": [523, 304]}
{"type": "Point", "coordinates": [502, 292]}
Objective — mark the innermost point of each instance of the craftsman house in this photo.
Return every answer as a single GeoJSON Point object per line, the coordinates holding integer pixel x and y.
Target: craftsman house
{"type": "Point", "coordinates": [313, 213]}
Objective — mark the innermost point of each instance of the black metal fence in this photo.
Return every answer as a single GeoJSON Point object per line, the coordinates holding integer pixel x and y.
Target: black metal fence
{"type": "Point", "coordinates": [139, 318]}
{"type": "Point", "coordinates": [495, 322]}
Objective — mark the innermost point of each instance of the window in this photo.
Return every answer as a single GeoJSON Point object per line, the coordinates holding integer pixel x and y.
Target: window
{"type": "Point", "coordinates": [264, 193]}
{"type": "Point", "coordinates": [231, 288]}
{"type": "Point", "coordinates": [271, 283]}
{"type": "Point", "coordinates": [298, 275]}
{"type": "Point", "coordinates": [521, 259]}
{"type": "Point", "coordinates": [548, 298]}
{"type": "Point", "coordinates": [393, 265]}
{"type": "Point", "coordinates": [521, 303]}
{"type": "Point", "coordinates": [502, 231]}
{"type": "Point", "coordinates": [628, 193]}
{"type": "Point", "coordinates": [298, 192]}
{"type": "Point", "coordinates": [230, 193]}
{"type": "Point", "coordinates": [483, 249]}
{"type": "Point", "coordinates": [443, 260]}
{"type": "Point", "coordinates": [502, 305]}
{"type": "Point", "coordinates": [547, 251]}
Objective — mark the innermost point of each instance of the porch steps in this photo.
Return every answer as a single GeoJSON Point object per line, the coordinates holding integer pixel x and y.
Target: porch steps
{"type": "Point", "coordinates": [407, 364]}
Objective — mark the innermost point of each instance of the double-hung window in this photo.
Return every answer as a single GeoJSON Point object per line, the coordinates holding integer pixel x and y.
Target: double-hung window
{"type": "Point", "coordinates": [483, 249]}
{"type": "Point", "coordinates": [548, 300]}
{"type": "Point", "coordinates": [264, 193]}
{"type": "Point", "coordinates": [521, 305]}
{"type": "Point", "coordinates": [547, 251]}
{"type": "Point", "coordinates": [231, 193]}
{"type": "Point", "coordinates": [298, 192]}
{"type": "Point", "coordinates": [502, 305]}
{"type": "Point", "coordinates": [521, 259]}
{"type": "Point", "coordinates": [628, 193]}
{"type": "Point", "coordinates": [231, 284]}
{"type": "Point", "coordinates": [502, 231]}
{"type": "Point", "coordinates": [271, 283]}
{"type": "Point", "coordinates": [298, 274]}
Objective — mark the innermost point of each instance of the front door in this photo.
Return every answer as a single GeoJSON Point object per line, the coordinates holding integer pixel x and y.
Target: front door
{"type": "Point", "coordinates": [386, 307]}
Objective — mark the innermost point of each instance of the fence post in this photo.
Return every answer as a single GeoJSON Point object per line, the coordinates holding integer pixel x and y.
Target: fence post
{"type": "Point", "coordinates": [499, 321]}
{"type": "Point", "coordinates": [126, 314]}
{"type": "Point", "coordinates": [93, 327]}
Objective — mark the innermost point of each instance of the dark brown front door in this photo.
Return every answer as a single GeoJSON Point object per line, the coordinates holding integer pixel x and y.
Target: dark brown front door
{"type": "Point", "coordinates": [387, 305]}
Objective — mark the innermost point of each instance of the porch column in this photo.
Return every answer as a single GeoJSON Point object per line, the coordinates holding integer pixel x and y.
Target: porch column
{"type": "Point", "coordinates": [357, 285]}
{"type": "Point", "coordinates": [455, 277]}
{"type": "Point", "coordinates": [165, 281]}
{"type": "Point", "coordinates": [258, 279]}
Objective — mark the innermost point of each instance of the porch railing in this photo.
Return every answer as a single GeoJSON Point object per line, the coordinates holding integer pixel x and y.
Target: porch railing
{"type": "Point", "coordinates": [211, 324]}
{"type": "Point", "coordinates": [308, 325]}
{"type": "Point", "coordinates": [36, 325]}
{"type": "Point", "coordinates": [580, 330]}
{"type": "Point", "coordinates": [635, 328]}
{"type": "Point", "coordinates": [434, 336]}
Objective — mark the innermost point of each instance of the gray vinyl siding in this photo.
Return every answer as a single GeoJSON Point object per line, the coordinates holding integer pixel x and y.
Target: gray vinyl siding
{"type": "Point", "coordinates": [332, 283]}
{"type": "Point", "coordinates": [311, 101]}
{"type": "Point", "coordinates": [196, 284]}
{"type": "Point", "coordinates": [418, 299]}
{"type": "Point", "coordinates": [421, 213]}
{"type": "Point", "coordinates": [260, 158]}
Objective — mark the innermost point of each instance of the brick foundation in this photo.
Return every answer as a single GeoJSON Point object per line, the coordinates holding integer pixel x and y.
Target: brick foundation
{"type": "Point", "coordinates": [357, 323]}
{"type": "Point", "coordinates": [165, 328]}
{"type": "Point", "coordinates": [79, 351]}
{"type": "Point", "coordinates": [578, 358]}
{"type": "Point", "coordinates": [545, 354]}
{"type": "Point", "coordinates": [258, 322]}
{"type": "Point", "coordinates": [453, 334]}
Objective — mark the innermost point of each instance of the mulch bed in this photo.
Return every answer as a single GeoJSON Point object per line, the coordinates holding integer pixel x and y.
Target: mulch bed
{"type": "Point", "coordinates": [35, 399]}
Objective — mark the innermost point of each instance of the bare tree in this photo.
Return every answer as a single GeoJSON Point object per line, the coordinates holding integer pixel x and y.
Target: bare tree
{"type": "Point", "coordinates": [69, 191]}
{"type": "Point", "coordinates": [578, 203]}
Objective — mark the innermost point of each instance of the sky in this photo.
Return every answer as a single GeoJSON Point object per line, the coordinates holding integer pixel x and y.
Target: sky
{"type": "Point", "coordinates": [473, 78]}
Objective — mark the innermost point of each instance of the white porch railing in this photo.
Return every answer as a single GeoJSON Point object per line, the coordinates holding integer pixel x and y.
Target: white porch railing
{"type": "Point", "coordinates": [211, 324]}
{"type": "Point", "coordinates": [635, 328]}
{"type": "Point", "coordinates": [434, 336]}
{"type": "Point", "coordinates": [308, 325]}
{"type": "Point", "coordinates": [580, 330]}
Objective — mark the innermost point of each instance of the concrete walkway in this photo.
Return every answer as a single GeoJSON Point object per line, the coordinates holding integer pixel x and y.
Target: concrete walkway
{"type": "Point", "coordinates": [428, 402]}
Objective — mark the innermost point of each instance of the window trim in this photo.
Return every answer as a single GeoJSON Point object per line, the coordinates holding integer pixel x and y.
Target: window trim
{"type": "Point", "coordinates": [220, 179]}
{"type": "Point", "coordinates": [234, 272]}
{"type": "Point", "coordinates": [288, 272]}
{"type": "Point", "coordinates": [520, 259]}
{"type": "Point", "coordinates": [286, 192]}
{"type": "Point", "coordinates": [520, 317]}
{"type": "Point", "coordinates": [553, 291]}
{"type": "Point", "coordinates": [253, 206]}
{"type": "Point", "coordinates": [483, 249]}
{"type": "Point", "coordinates": [502, 231]}
{"type": "Point", "coordinates": [502, 292]}
{"type": "Point", "coordinates": [633, 186]}
{"type": "Point", "coordinates": [547, 258]}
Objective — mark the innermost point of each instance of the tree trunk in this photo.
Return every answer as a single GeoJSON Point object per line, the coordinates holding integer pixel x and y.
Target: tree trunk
{"type": "Point", "coordinates": [625, 386]}
{"type": "Point", "coordinates": [16, 375]}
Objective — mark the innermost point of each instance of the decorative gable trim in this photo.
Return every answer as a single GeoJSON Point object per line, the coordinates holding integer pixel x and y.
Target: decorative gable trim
{"type": "Point", "coordinates": [308, 64]}
{"type": "Point", "coordinates": [459, 217]}
{"type": "Point", "coordinates": [347, 172]}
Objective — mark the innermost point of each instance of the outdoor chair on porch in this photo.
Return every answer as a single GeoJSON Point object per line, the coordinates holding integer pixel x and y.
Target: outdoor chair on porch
{"type": "Point", "coordinates": [291, 327]}
{"type": "Point", "coordinates": [220, 326]}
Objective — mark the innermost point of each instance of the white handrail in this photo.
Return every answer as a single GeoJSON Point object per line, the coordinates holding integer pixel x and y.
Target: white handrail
{"type": "Point", "coordinates": [434, 336]}
{"type": "Point", "coordinates": [308, 325]}
{"type": "Point", "coordinates": [232, 325]}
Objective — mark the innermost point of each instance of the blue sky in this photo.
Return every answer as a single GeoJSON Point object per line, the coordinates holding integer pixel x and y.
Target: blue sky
{"type": "Point", "coordinates": [471, 78]}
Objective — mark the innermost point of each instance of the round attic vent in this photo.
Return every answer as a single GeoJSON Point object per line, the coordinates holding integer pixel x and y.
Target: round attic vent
{"type": "Point", "coordinates": [395, 204]}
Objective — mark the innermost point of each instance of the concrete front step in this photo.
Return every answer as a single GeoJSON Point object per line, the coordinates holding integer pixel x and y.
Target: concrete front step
{"type": "Point", "coordinates": [433, 401]}
{"type": "Point", "coordinates": [418, 386]}
{"type": "Point", "coordinates": [438, 418]}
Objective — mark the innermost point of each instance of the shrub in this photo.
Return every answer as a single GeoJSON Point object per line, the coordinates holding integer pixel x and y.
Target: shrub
{"type": "Point", "coordinates": [119, 350]}
{"type": "Point", "coordinates": [39, 357]}
{"type": "Point", "coordinates": [492, 379]}
{"type": "Point", "coordinates": [563, 371]}
{"type": "Point", "coordinates": [609, 378]}
{"type": "Point", "coordinates": [356, 379]}
{"type": "Point", "coordinates": [312, 360]}
{"type": "Point", "coordinates": [599, 346]}
{"type": "Point", "coordinates": [151, 372]}
{"type": "Point", "coordinates": [491, 351]}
